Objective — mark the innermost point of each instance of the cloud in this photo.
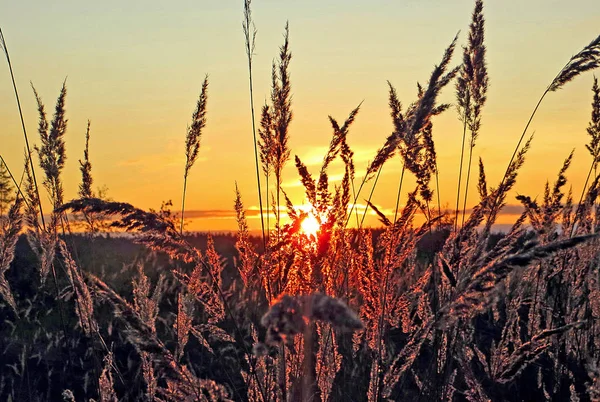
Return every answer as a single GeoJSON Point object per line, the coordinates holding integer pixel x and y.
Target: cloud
{"type": "Point", "coordinates": [511, 209]}
{"type": "Point", "coordinates": [216, 213]}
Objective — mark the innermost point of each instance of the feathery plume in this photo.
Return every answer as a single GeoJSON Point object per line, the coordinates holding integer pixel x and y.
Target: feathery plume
{"type": "Point", "coordinates": [307, 181]}
{"type": "Point", "coordinates": [471, 90]}
{"type": "Point", "coordinates": [8, 241]}
{"type": "Point", "coordinates": [192, 140]}
{"type": "Point", "coordinates": [407, 127]}
{"type": "Point", "coordinates": [52, 153]}
{"type": "Point", "coordinates": [472, 79]}
{"type": "Point", "coordinates": [107, 390]}
{"type": "Point", "coordinates": [281, 97]}
{"type": "Point", "coordinates": [468, 297]}
{"type": "Point", "coordinates": [594, 126]}
{"type": "Point", "coordinates": [85, 188]}
{"type": "Point", "coordinates": [84, 302]}
{"type": "Point", "coordinates": [6, 188]}
{"type": "Point", "coordinates": [587, 59]}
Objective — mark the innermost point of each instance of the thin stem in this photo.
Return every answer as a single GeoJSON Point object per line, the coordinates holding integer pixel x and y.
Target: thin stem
{"type": "Point", "coordinates": [14, 180]}
{"type": "Point", "coordinates": [249, 53]}
{"type": "Point", "coordinates": [364, 180]}
{"type": "Point", "coordinates": [12, 77]}
{"type": "Point", "coordinates": [581, 198]}
{"type": "Point", "coordinates": [370, 196]}
{"type": "Point", "coordinates": [524, 132]}
{"type": "Point", "coordinates": [278, 217]}
{"type": "Point", "coordinates": [268, 210]}
{"type": "Point", "coordinates": [467, 184]}
{"type": "Point", "coordinates": [399, 193]}
{"type": "Point", "coordinates": [523, 135]}
{"type": "Point", "coordinates": [462, 153]}
{"type": "Point", "coordinates": [386, 283]}
{"type": "Point", "coordinates": [359, 224]}
{"type": "Point", "coordinates": [437, 189]}
{"type": "Point", "coordinates": [183, 202]}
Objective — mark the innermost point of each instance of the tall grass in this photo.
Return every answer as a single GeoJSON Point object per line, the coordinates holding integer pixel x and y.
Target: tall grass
{"type": "Point", "coordinates": [430, 311]}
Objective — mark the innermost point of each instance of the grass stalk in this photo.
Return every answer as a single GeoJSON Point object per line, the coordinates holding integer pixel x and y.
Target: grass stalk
{"type": "Point", "coordinates": [250, 43]}
{"type": "Point", "coordinates": [460, 169]}
{"type": "Point", "coordinates": [14, 84]}
{"type": "Point", "coordinates": [467, 184]}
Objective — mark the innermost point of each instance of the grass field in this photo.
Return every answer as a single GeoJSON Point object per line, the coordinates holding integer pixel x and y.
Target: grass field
{"type": "Point", "coordinates": [432, 306]}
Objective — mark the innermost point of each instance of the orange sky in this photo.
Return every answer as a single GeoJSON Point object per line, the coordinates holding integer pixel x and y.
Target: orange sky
{"type": "Point", "coordinates": [135, 70]}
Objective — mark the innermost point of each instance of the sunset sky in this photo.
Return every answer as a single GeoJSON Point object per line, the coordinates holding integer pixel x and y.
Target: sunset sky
{"type": "Point", "coordinates": [135, 69]}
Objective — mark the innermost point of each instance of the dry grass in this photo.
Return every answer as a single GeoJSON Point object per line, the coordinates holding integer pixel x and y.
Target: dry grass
{"type": "Point", "coordinates": [441, 311]}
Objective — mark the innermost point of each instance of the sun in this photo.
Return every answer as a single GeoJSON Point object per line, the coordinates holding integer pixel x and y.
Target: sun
{"type": "Point", "coordinates": [310, 225]}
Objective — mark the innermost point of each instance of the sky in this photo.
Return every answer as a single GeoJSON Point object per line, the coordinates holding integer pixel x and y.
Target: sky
{"type": "Point", "coordinates": [135, 69]}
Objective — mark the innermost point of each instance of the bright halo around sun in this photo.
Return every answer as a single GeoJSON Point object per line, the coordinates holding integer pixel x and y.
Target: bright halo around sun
{"type": "Point", "coordinates": [310, 225]}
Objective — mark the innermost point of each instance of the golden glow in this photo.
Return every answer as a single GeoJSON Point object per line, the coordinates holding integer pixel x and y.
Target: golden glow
{"type": "Point", "coordinates": [310, 225]}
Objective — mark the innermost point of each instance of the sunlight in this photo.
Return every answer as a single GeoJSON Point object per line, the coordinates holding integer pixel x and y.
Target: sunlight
{"type": "Point", "coordinates": [310, 225]}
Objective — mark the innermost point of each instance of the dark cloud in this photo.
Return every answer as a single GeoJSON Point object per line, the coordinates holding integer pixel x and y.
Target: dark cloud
{"type": "Point", "coordinates": [511, 209]}
{"type": "Point", "coordinates": [217, 213]}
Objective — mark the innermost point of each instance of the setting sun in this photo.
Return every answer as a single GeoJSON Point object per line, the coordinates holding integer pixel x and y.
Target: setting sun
{"type": "Point", "coordinates": [310, 225]}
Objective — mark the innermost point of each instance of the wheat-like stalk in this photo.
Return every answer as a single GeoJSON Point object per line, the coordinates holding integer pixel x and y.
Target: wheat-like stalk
{"type": "Point", "coordinates": [249, 31]}
{"type": "Point", "coordinates": [471, 94]}
{"type": "Point", "coordinates": [192, 141]}
{"type": "Point", "coordinates": [587, 59]}
{"type": "Point", "coordinates": [8, 241]}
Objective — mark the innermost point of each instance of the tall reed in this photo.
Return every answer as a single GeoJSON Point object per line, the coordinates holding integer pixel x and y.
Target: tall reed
{"type": "Point", "coordinates": [192, 141]}
{"type": "Point", "coordinates": [250, 36]}
{"type": "Point", "coordinates": [471, 90]}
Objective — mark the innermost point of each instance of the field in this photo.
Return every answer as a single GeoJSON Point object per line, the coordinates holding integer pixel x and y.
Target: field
{"type": "Point", "coordinates": [101, 300]}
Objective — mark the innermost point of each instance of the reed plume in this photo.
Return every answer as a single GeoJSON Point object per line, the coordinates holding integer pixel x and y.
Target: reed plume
{"type": "Point", "coordinates": [85, 166]}
{"type": "Point", "coordinates": [593, 129]}
{"type": "Point", "coordinates": [52, 153]}
{"type": "Point", "coordinates": [471, 90]}
{"type": "Point", "coordinates": [467, 299]}
{"type": "Point", "coordinates": [593, 146]}
{"type": "Point", "coordinates": [107, 390]}
{"type": "Point", "coordinates": [587, 59]}
{"type": "Point", "coordinates": [281, 112]}
{"type": "Point", "coordinates": [8, 241]}
{"type": "Point", "coordinates": [409, 125]}
{"type": "Point", "coordinates": [6, 187]}
{"type": "Point", "coordinates": [266, 145]}
{"type": "Point", "coordinates": [192, 141]}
